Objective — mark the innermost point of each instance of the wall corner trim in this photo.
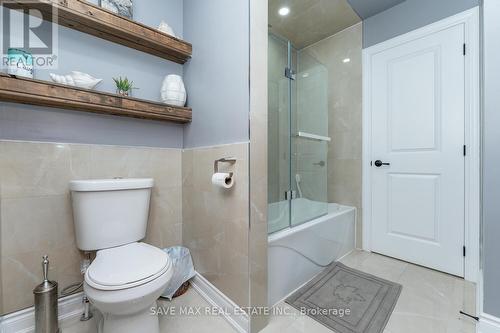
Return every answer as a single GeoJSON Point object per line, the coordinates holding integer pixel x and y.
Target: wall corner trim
{"type": "Point", "coordinates": [233, 314]}
{"type": "Point", "coordinates": [488, 324]}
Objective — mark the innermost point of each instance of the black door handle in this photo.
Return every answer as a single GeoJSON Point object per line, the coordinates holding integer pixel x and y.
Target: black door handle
{"type": "Point", "coordinates": [379, 163]}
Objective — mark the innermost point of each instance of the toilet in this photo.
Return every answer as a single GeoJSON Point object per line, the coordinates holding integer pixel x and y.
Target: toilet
{"type": "Point", "coordinates": [126, 277]}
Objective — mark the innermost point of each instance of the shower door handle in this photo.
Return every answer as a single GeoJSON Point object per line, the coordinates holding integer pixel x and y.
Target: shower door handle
{"type": "Point", "coordinates": [379, 163]}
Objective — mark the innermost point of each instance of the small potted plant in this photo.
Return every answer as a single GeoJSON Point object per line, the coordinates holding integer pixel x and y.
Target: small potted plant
{"type": "Point", "coordinates": [124, 86]}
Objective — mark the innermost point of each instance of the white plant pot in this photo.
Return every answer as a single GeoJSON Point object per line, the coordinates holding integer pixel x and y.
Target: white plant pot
{"type": "Point", "coordinates": [173, 91]}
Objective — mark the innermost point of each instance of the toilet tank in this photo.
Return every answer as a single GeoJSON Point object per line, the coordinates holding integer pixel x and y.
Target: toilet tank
{"type": "Point", "coordinates": [110, 212]}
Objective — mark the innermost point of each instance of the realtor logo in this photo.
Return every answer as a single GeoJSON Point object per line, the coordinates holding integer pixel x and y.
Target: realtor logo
{"type": "Point", "coordinates": [29, 28]}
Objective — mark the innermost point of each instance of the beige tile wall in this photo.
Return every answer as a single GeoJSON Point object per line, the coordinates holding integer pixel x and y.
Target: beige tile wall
{"type": "Point", "coordinates": [344, 115]}
{"type": "Point", "coordinates": [259, 178]}
{"type": "Point", "coordinates": [215, 220]}
{"type": "Point", "coordinates": [35, 207]}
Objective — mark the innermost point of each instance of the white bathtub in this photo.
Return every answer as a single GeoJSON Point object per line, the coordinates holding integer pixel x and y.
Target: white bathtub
{"type": "Point", "coordinates": [297, 254]}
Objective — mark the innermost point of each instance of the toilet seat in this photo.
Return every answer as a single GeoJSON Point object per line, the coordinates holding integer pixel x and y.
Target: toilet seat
{"type": "Point", "coordinates": [127, 266]}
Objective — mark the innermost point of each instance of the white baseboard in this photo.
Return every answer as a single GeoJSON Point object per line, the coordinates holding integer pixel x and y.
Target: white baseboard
{"type": "Point", "coordinates": [23, 321]}
{"type": "Point", "coordinates": [236, 318]}
{"type": "Point", "coordinates": [71, 308]}
{"type": "Point", "coordinates": [488, 324]}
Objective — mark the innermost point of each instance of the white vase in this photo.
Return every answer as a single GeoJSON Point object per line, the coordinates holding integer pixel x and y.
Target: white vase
{"type": "Point", "coordinates": [173, 91]}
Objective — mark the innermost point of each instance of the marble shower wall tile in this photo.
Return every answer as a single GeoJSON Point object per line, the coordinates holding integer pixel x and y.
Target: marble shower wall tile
{"type": "Point", "coordinates": [36, 214]}
{"type": "Point", "coordinates": [215, 221]}
{"type": "Point", "coordinates": [344, 115]}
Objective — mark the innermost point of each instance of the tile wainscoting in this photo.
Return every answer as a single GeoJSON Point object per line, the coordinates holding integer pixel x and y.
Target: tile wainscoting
{"type": "Point", "coordinates": [36, 214]}
{"type": "Point", "coordinates": [216, 221]}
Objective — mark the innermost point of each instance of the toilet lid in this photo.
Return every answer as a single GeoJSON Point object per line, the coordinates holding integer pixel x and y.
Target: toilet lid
{"type": "Point", "coordinates": [126, 266]}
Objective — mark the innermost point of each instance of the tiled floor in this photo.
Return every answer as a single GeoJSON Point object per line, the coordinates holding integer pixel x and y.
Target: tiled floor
{"type": "Point", "coordinates": [168, 323]}
{"type": "Point", "coordinates": [430, 302]}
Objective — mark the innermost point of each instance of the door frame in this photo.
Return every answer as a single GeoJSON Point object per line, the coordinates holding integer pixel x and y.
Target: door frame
{"type": "Point", "coordinates": [470, 19]}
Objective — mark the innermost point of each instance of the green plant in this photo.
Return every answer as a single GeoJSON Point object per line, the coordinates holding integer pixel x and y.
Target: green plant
{"type": "Point", "coordinates": [124, 84]}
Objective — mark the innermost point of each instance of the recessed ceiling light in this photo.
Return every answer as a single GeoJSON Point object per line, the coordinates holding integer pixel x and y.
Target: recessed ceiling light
{"type": "Point", "coordinates": [346, 60]}
{"type": "Point", "coordinates": [284, 11]}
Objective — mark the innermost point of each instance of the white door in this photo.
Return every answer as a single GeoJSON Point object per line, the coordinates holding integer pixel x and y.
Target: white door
{"type": "Point", "coordinates": [417, 104]}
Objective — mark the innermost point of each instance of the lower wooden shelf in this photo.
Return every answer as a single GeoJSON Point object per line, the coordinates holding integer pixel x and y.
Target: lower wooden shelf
{"type": "Point", "coordinates": [42, 93]}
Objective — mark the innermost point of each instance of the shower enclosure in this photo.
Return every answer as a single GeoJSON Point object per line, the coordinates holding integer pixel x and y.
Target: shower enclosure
{"type": "Point", "coordinates": [298, 170]}
{"type": "Point", "coordinates": [298, 136]}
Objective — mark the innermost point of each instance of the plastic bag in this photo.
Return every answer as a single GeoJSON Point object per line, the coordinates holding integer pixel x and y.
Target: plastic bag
{"type": "Point", "coordinates": [182, 266]}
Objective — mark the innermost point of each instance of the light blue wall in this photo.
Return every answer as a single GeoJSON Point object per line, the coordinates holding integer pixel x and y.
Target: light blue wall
{"type": "Point", "coordinates": [408, 16]}
{"type": "Point", "coordinates": [491, 158]}
{"type": "Point", "coordinates": [217, 77]}
{"type": "Point", "coordinates": [102, 59]}
{"type": "Point", "coordinates": [23, 122]}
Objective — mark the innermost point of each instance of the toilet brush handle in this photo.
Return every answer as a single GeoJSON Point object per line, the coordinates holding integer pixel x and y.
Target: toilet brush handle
{"type": "Point", "coordinates": [45, 266]}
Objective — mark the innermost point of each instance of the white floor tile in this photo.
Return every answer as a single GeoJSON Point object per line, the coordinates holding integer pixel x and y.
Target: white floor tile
{"type": "Point", "coordinates": [184, 323]}
{"type": "Point", "coordinates": [430, 302]}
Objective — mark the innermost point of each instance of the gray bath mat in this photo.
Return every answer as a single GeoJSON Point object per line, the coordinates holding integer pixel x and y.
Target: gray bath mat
{"type": "Point", "coordinates": [347, 300]}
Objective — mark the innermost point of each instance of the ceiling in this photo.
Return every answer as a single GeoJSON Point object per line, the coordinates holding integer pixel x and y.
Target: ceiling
{"type": "Point", "coordinates": [367, 8]}
{"type": "Point", "coordinates": [310, 21]}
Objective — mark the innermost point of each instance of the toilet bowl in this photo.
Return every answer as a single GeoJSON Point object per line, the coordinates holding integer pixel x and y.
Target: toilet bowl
{"type": "Point", "coordinates": [124, 283]}
{"type": "Point", "coordinates": [127, 276]}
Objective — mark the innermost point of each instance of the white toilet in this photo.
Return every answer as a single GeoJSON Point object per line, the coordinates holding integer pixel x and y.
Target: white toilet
{"type": "Point", "coordinates": [126, 277]}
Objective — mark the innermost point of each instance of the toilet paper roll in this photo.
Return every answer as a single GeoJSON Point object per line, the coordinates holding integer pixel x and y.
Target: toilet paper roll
{"type": "Point", "coordinates": [223, 179]}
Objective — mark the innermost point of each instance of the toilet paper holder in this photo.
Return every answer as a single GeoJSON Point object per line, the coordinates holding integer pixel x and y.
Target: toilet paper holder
{"type": "Point", "coordinates": [231, 160]}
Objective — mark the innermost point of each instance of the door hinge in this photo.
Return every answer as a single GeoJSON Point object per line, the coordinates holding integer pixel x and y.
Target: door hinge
{"type": "Point", "coordinates": [290, 73]}
{"type": "Point", "coordinates": [464, 251]}
{"type": "Point", "coordinates": [465, 49]}
{"type": "Point", "coordinates": [465, 150]}
{"type": "Point", "coordinates": [290, 195]}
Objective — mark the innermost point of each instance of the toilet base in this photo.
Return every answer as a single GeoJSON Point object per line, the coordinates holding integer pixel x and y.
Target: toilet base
{"type": "Point", "coordinates": [145, 321]}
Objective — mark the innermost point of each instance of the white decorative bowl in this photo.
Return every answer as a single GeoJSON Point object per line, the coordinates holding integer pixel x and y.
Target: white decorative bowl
{"type": "Point", "coordinates": [165, 28]}
{"type": "Point", "coordinates": [76, 79]}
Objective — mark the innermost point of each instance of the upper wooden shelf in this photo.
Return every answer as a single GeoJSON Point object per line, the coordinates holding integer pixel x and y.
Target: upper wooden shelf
{"type": "Point", "coordinates": [94, 20]}
{"type": "Point", "coordinates": [43, 93]}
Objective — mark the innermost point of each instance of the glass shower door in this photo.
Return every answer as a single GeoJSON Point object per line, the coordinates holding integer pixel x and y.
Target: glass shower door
{"type": "Point", "coordinates": [309, 140]}
{"type": "Point", "coordinates": [298, 136]}
{"type": "Point", "coordinates": [278, 136]}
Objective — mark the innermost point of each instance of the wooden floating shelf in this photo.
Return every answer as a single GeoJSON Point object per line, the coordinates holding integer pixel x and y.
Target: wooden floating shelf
{"type": "Point", "coordinates": [42, 93]}
{"type": "Point", "coordinates": [94, 20]}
